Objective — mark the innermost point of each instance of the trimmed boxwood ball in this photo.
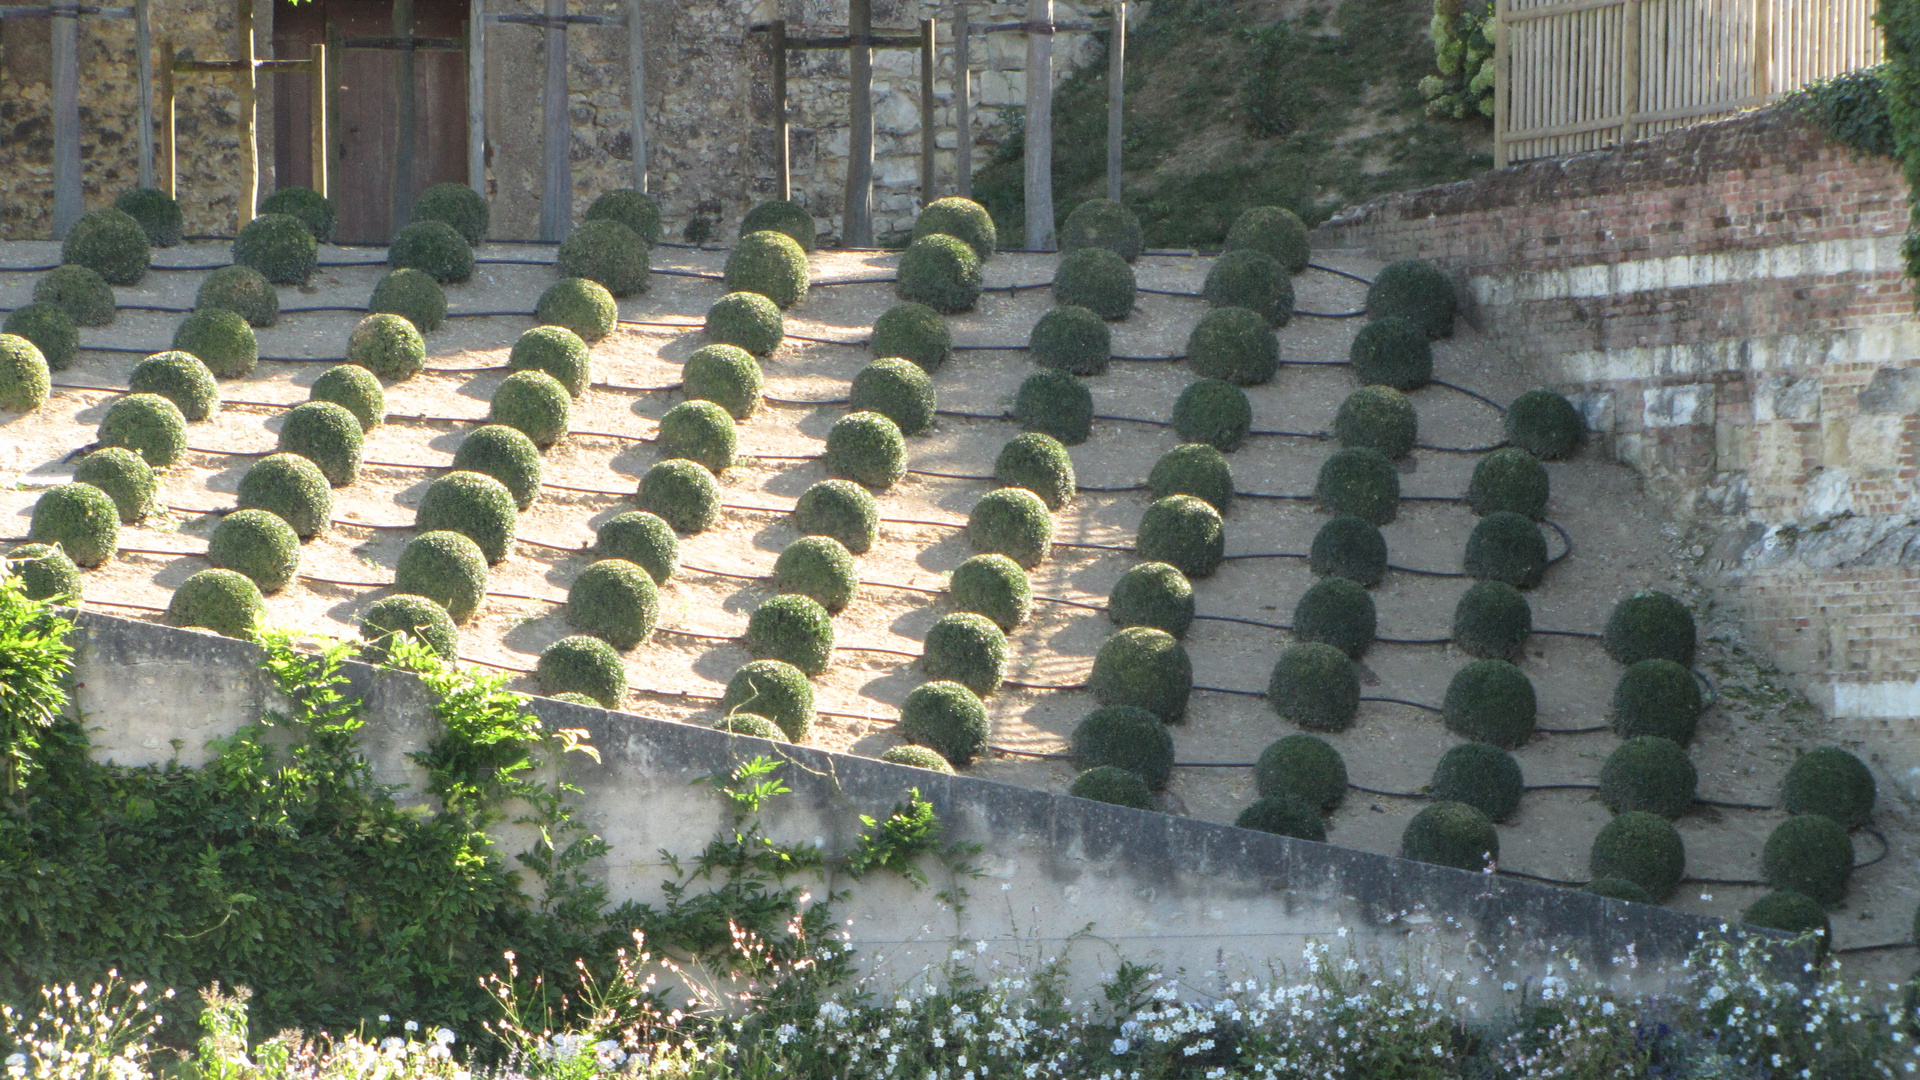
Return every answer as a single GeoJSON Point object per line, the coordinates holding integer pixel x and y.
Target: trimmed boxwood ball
{"type": "Point", "coordinates": [794, 629]}
{"type": "Point", "coordinates": [327, 435]}
{"type": "Point", "coordinates": [1057, 404]}
{"type": "Point", "coordinates": [1039, 463]}
{"type": "Point", "coordinates": [583, 664]}
{"type": "Point", "coordinates": [726, 375]}
{"type": "Point", "coordinates": [1810, 854]}
{"type": "Point", "coordinates": [1360, 482]}
{"type": "Point", "coordinates": [1184, 532]}
{"type": "Point", "coordinates": [1508, 547]}
{"type": "Point", "coordinates": [1481, 775]}
{"type": "Point", "coordinates": [747, 320]}
{"type": "Point", "coordinates": [459, 206]}
{"type": "Point", "coordinates": [389, 346]}
{"type": "Point", "coordinates": [644, 539]}
{"type": "Point", "coordinates": [1545, 424]}
{"type": "Point", "coordinates": [773, 689]}
{"type": "Point", "coordinates": [218, 600]}
{"type": "Point", "coordinates": [1451, 834]}
{"type": "Point", "coordinates": [475, 506]}
{"type": "Point", "coordinates": [536, 403]}
{"type": "Point", "coordinates": [576, 699]}
{"type": "Point", "coordinates": [1492, 621]}
{"type": "Point", "coordinates": [147, 424]}
{"type": "Point", "coordinates": [293, 489]}
{"type": "Point", "coordinates": [819, 567]}
{"type": "Point", "coordinates": [782, 216]}
{"type": "Point", "coordinates": [1073, 340]}
{"type": "Point", "coordinates": [1491, 701]}
{"type": "Point", "coordinates": [1614, 888]}
{"type": "Point", "coordinates": [868, 448]}
{"type": "Point", "coordinates": [1128, 738]}
{"type": "Point", "coordinates": [1013, 522]}
{"type": "Point", "coordinates": [1315, 686]}
{"type": "Point", "coordinates": [221, 339]}
{"type": "Point", "coordinates": [1145, 667]}
{"type": "Point", "coordinates": [1509, 479]}
{"type": "Point", "coordinates": [1251, 280]}
{"type": "Point", "coordinates": [1657, 697]}
{"type": "Point", "coordinates": [1195, 469]}
{"type": "Point", "coordinates": [1103, 224]}
{"type": "Point", "coordinates": [947, 718]}
{"type": "Point", "coordinates": [181, 378]}
{"type": "Point", "coordinates": [1214, 412]}
{"type": "Point", "coordinates": [758, 727]}
{"type": "Point", "coordinates": [1114, 786]}
{"type": "Point", "coordinates": [897, 389]}
{"type": "Point", "coordinates": [25, 379]}
{"type": "Point", "coordinates": [916, 757]}
{"type": "Point", "coordinates": [45, 571]}
{"type": "Point", "coordinates": [1642, 848]}
{"type": "Point", "coordinates": [841, 509]}
{"type": "Point", "coordinates": [1095, 279]}
{"type": "Point", "coordinates": [1336, 612]}
{"type": "Point", "coordinates": [505, 454]}
{"type": "Point", "coordinates": [1233, 344]}
{"type": "Point", "coordinates": [242, 290]}
{"type": "Point", "coordinates": [941, 272]}
{"type": "Point", "coordinates": [1283, 816]}
{"type": "Point", "coordinates": [84, 295]}
{"type": "Point", "coordinates": [258, 544]}
{"type": "Point", "coordinates": [606, 252]}
{"type": "Point", "coordinates": [1650, 625]}
{"type": "Point", "coordinates": [1152, 594]}
{"type": "Point", "coordinates": [309, 207]}
{"type": "Point", "coordinates": [280, 247]}
{"type": "Point", "coordinates": [109, 243]}
{"type": "Point", "coordinates": [354, 389]}
{"type": "Point", "coordinates": [631, 207]}
{"type": "Point", "coordinates": [414, 296]}
{"type": "Point", "coordinates": [994, 586]}
{"type": "Point", "coordinates": [50, 329]}
{"type": "Point", "coordinates": [1274, 231]}
{"type": "Point", "coordinates": [681, 493]}
{"type": "Point", "coordinates": [1379, 417]}
{"type": "Point", "coordinates": [557, 351]}
{"type": "Point", "coordinates": [582, 306]}
{"type": "Point", "coordinates": [1392, 352]}
{"type": "Point", "coordinates": [1304, 767]}
{"type": "Point", "coordinates": [1416, 290]}
{"type": "Point", "coordinates": [615, 600]}
{"type": "Point", "coordinates": [699, 431]}
{"type": "Point", "coordinates": [968, 649]}
{"type": "Point", "coordinates": [414, 616]}
{"type": "Point", "coordinates": [961, 218]}
{"type": "Point", "coordinates": [913, 332]}
{"type": "Point", "coordinates": [1648, 773]}
{"type": "Point", "coordinates": [1795, 913]}
{"type": "Point", "coordinates": [446, 568]}
{"type": "Point", "coordinates": [770, 263]}
{"type": "Point", "coordinates": [124, 475]}
{"type": "Point", "coordinates": [1826, 780]}
{"type": "Point", "coordinates": [1347, 547]}
{"type": "Point", "coordinates": [81, 519]}
{"type": "Point", "coordinates": [159, 216]}
{"type": "Point", "coordinates": [434, 247]}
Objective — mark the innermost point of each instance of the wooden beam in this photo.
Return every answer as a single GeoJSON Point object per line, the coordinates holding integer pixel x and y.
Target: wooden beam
{"type": "Point", "coordinates": [319, 176]}
{"type": "Point", "coordinates": [406, 120]}
{"type": "Point", "coordinates": [556, 199]}
{"type": "Point", "coordinates": [962, 104]}
{"type": "Point", "coordinates": [248, 106]}
{"type": "Point", "coordinates": [1630, 72]}
{"type": "Point", "coordinates": [1116, 95]}
{"type": "Point", "coordinates": [477, 99]}
{"type": "Point", "coordinates": [1501, 86]}
{"type": "Point", "coordinates": [67, 206]}
{"type": "Point", "coordinates": [637, 90]}
{"type": "Point", "coordinates": [857, 222]}
{"type": "Point", "coordinates": [782, 134]}
{"type": "Point", "coordinates": [1762, 48]}
{"type": "Point", "coordinates": [928, 58]}
{"type": "Point", "coordinates": [143, 79]}
{"type": "Point", "coordinates": [168, 178]}
{"type": "Point", "coordinates": [1039, 178]}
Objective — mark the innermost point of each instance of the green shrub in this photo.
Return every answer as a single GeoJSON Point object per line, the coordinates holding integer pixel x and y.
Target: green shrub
{"type": "Point", "coordinates": [584, 307]}
{"type": "Point", "coordinates": [49, 329]}
{"type": "Point", "coordinates": [1283, 816]}
{"type": "Point", "coordinates": [1360, 482]}
{"type": "Point", "coordinates": [758, 727]}
{"type": "Point", "coordinates": [1492, 621]}
{"type": "Point", "coordinates": [916, 757]}
{"type": "Point", "coordinates": [1648, 773]}
{"type": "Point", "coordinates": [699, 431]}
{"type": "Point", "coordinates": [557, 351]}
{"type": "Point", "coordinates": [1145, 667]}
{"type": "Point", "coordinates": [609, 253]}
{"type": "Point", "coordinates": [159, 216]}
{"type": "Point", "coordinates": [1809, 854]}
{"type": "Point", "coordinates": [1251, 280]}
{"type": "Point", "coordinates": [771, 264]}
{"type": "Point", "coordinates": [773, 689]}
{"type": "Point", "coordinates": [1103, 224]}
{"type": "Point", "coordinates": [747, 320]}
{"type": "Point", "coordinates": [1013, 522]}
{"type": "Point", "coordinates": [1392, 352]}
{"type": "Point", "coordinates": [45, 571]}
{"type": "Point", "coordinates": [1152, 594]}
{"type": "Point", "coordinates": [819, 567]}
{"type": "Point", "coordinates": [446, 568]}
{"type": "Point", "coordinates": [25, 379]}
{"type": "Point", "coordinates": [1073, 340]}
{"type": "Point", "coordinates": [1184, 532]}
{"type": "Point", "coordinates": [1302, 767]}
{"type": "Point", "coordinates": [781, 216]}
{"type": "Point", "coordinates": [1275, 232]}
{"type": "Point", "coordinates": [1378, 417]}
{"type": "Point", "coordinates": [1491, 701]}
{"type": "Point", "coordinates": [1505, 546]}
{"type": "Point", "coordinates": [536, 403]}
{"type": "Point", "coordinates": [147, 424]}
{"type": "Point", "coordinates": [968, 649]}
{"type": "Point", "coordinates": [630, 207]}
{"type": "Point", "coordinates": [475, 506]}
{"type": "Point", "coordinates": [726, 375]}
{"type": "Point", "coordinates": [1040, 464]}
{"type": "Point", "coordinates": [328, 436]}
{"type": "Point", "coordinates": [81, 519]}
{"type": "Point", "coordinates": [181, 378]}
{"type": "Point", "coordinates": [994, 586]}
{"type": "Point", "coordinates": [841, 509]}
{"type": "Point", "coordinates": [1416, 290]}
{"type": "Point", "coordinates": [1214, 412]}
{"type": "Point", "coordinates": [1614, 888]}
{"type": "Point", "coordinates": [413, 616]}
{"type": "Point", "coordinates": [941, 272]}
{"type": "Point", "coordinates": [962, 219]}
{"type": "Point", "coordinates": [84, 295]}
{"type": "Point", "coordinates": [1195, 469]}
{"type": "Point", "coordinates": [1545, 424]}
{"type": "Point", "coordinates": [242, 290]}
{"type": "Point", "coordinates": [615, 600]}
{"type": "Point", "coordinates": [1114, 786]}
{"type": "Point", "coordinates": [1347, 547]}
{"type": "Point", "coordinates": [1642, 848]}
{"type": "Point", "coordinates": [1481, 775]}
{"type": "Point", "coordinates": [306, 205]}
{"type": "Point", "coordinates": [1650, 625]}
{"type": "Point", "coordinates": [459, 206]}
{"type": "Point", "coordinates": [1826, 780]}
{"type": "Point", "coordinates": [293, 489]}
{"type": "Point", "coordinates": [280, 247]}
{"type": "Point", "coordinates": [1336, 612]}
{"type": "Point", "coordinates": [109, 243]}
{"type": "Point", "coordinates": [1509, 479]}
{"type": "Point", "coordinates": [913, 332]}
{"type": "Point", "coordinates": [1451, 834]}
{"type": "Point", "coordinates": [1057, 404]}
{"type": "Point", "coordinates": [1316, 686]}
{"type": "Point", "coordinates": [1125, 737]}
{"type": "Point", "coordinates": [436, 248]}
{"type": "Point", "coordinates": [1233, 344]}
{"type": "Point", "coordinates": [642, 539]}
{"type": "Point", "coordinates": [258, 544]}
{"type": "Point", "coordinates": [124, 475]}
{"type": "Point", "coordinates": [1096, 280]}
{"type": "Point", "coordinates": [414, 296]}
{"type": "Point", "coordinates": [868, 448]}
{"type": "Point", "coordinates": [582, 664]}
{"type": "Point", "coordinates": [505, 454]}
{"type": "Point", "coordinates": [354, 389]}
{"type": "Point", "coordinates": [388, 346]}
{"type": "Point", "coordinates": [946, 718]}
{"type": "Point", "coordinates": [1795, 913]}
{"type": "Point", "coordinates": [1657, 697]}
{"type": "Point", "coordinates": [221, 339]}
{"type": "Point", "coordinates": [681, 493]}
{"type": "Point", "coordinates": [218, 600]}
{"type": "Point", "coordinates": [896, 389]}
{"type": "Point", "coordinates": [794, 629]}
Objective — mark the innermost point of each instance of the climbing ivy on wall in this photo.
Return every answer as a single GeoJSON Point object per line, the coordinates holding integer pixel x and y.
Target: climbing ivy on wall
{"type": "Point", "coordinates": [1463, 51]}
{"type": "Point", "coordinates": [1900, 28]}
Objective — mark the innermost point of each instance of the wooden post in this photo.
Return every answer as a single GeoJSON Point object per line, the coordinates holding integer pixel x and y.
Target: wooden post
{"type": "Point", "coordinates": [405, 119]}
{"type": "Point", "coordinates": [962, 103]}
{"type": "Point", "coordinates": [1630, 73]}
{"type": "Point", "coordinates": [857, 222]}
{"type": "Point", "coordinates": [317, 123]}
{"type": "Point", "coordinates": [928, 57]}
{"type": "Point", "coordinates": [477, 100]}
{"type": "Point", "coordinates": [556, 202]}
{"type": "Point", "coordinates": [1039, 179]}
{"type": "Point", "coordinates": [66, 119]}
{"type": "Point", "coordinates": [1116, 94]}
{"type": "Point", "coordinates": [169, 179]}
{"type": "Point", "coordinates": [1762, 48]}
{"type": "Point", "coordinates": [637, 90]}
{"type": "Point", "coordinates": [783, 151]}
{"type": "Point", "coordinates": [247, 78]}
{"type": "Point", "coordinates": [143, 74]}
{"type": "Point", "coordinates": [1500, 84]}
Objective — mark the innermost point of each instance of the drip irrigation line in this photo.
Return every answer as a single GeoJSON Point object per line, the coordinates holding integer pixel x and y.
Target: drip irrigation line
{"type": "Point", "coordinates": [1042, 686]}
{"type": "Point", "coordinates": [1017, 289]}
{"type": "Point", "coordinates": [1594, 730]}
{"type": "Point", "coordinates": [1563, 883]}
{"type": "Point", "coordinates": [1488, 449]}
{"type": "Point", "coordinates": [694, 634]}
{"type": "Point", "coordinates": [1150, 359]}
{"type": "Point", "coordinates": [587, 491]}
{"type": "Point", "coordinates": [1313, 363]}
{"type": "Point", "coordinates": [1717, 804]}
{"type": "Point", "coordinates": [1338, 273]}
{"type": "Point", "coordinates": [802, 401]}
{"type": "Point", "coordinates": [1213, 765]}
{"type": "Point", "coordinates": [1414, 641]}
{"type": "Point", "coordinates": [1723, 881]}
{"type": "Point", "coordinates": [1064, 602]}
{"type": "Point", "coordinates": [124, 604]}
{"type": "Point", "coordinates": [1330, 314]}
{"type": "Point", "coordinates": [1094, 547]}
{"type": "Point", "coordinates": [131, 351]}
{"type": "Point", "coordinates": [1231, 690]}
{"type": "Point", "coordinates": [1707, 685]}
{"type": "Point", "coordinates": [1571, 633]}
{"type": "Point", "coordinates": [463, 370]}
{"type": "Point", "coordinates": [1885, 848]}
{"type": "Point", "coordinates": [1391, 794]}
{"type": "Point", "coordinates": [701, 274]}
{"type": "Point", "coordinates": [1136, 420]}
{"type": "Point", "coordinates": [854, 281]}
{"type": "Point", "coordinates": [1432, 498]}
{"type": "Point", "coordinates": [1248, 622]}
{"type": "Point", "coordinates": [668, 325]}
{"type": "Point", "coordinates": [494, 666]}
{"type": "Point", "coordinates": [1417, 572]}
{"type": "Point", "coordinates": [230, 453]}
{"type": "Point", "coordinates": [991, 348]}
{"type": "Point", "coordinates": [1166, 292]}
{"type": "Point", "coordinates": [1403, 701]}
{"type": "Point", "coordinates": [830, 341]}
{"type": "Point", "coordinates": [1263, 555]}
{"type": "Point", "coordinates": [622, 388]}
{"type": "Point", "coordinates": [159, 551]}
{"type": "Point", "coordinates": [1564, 538]}
{"type": "Point", "coordinates": [1273, 495]}
{"type": "Point", "coordinates": [1560, 787]}
{"type": "Point", "coordinates": [349, 584]}
{"type": "Point", "coordinates": [1316, 435]}
{"type": "Point", "coordinates": [471, 314]}
{"type": "Point", "coordinates": [578, 549]}
{"type": "Point", "coordinates": [1111, 489]}
{"type": "Point", "coordinates": [950, 476]}
{"type": "Point", "coordinates": [31, 269]}
{"type": "Point", "coordinates": [612, 435]}
{"type": "Point", "coordinates": [877, 649]}
{"type": "Point", "coordinates": [1474, 394]}
{"type": "Point", "coordinates": [972, 415]}
{"type": "Point", "coordinates": [780, 457]}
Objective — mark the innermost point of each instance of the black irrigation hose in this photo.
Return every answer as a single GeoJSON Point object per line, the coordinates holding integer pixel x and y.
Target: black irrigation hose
{"type": "Point", "coordinates": [1339, 273]}
{"type": "Point", "coordinates": [1564, 538]}
{"type": "Point", "coordinates": [1404, 701]}
{"type": "Point", "coordinates": [853, 281]}
{"type": "Point", "coordinates": [1329, 314]}
{"type": "Point", "coordinates": [1571, 633]}
{"type": "Point", "coordinates": [1731, 805]}
{"type": "Point", "coordinates": [1594, 730]}
{"type": "Point", "coordinates": [1563, 883]}
{"type": "Point", "coordinates": [770, 399]}
{"type": "Point", "coordinates": [1885, 848]}
{"type": "Point", "coordinates": [1747, 882]}
{"type": "Point", "coordinates": [1475, 394]}
{"type": "Point", "coordinates": [1390, 794]}
{"type": "Point", "coordinates": [1133, 420]}
{"type": "Point", "coordinates": [701, 274]}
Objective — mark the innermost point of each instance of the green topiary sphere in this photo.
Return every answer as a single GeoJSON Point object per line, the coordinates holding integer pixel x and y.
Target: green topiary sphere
{"type": "Point", "coordinates": [81, 519]}
{"type": "Point", "coordinates": [773, 689]}
{"type": "Point", "coordinates": [1492, 621]}
{"type": "Point", "coordinates": [681, 493]}
{"type": "Point", "coordinates": [159, 216]}
{"type": "Point", "coordinates": [1545, 424]}
{"type": "Point", "coordinates": [1657, 697]}
{"type": "Point", "coordinates": [1073, 340]}
{"type": "Point", "coordinates": [1508, 547]}
{"type": "Point", "coordinates": [1195, 469]}
{"type": "Point", "coordinates": [868, 448]}
{"type": "Point", "coordinates": [147, 424]}
{"type": "Point", "coordinates": [242, 290]}
{"type": "Point", "coordinates": [794, 629]}
{"type": "Point", "coordinates": [758, 727]}
{"type": "Point", "coordinates": [1648, 773]}
{"type": "Point", "coordinates": [1795, 913]}
{"type": "Point", "coordinates": [699, 431]}
{"type": "Point", "coordinates": [1096, 280]}
{"type": "Point", "coordinates": [557, 351]}
{"type": "Point", "coordinates": [962, 219]}
{"type": "Point", "coordinates": [414, 296]}
{"type": "Point", "coordinates": [897, 389]}
{"type": "Point", "coordinates": [643, 539]}
{"type": "Point", "coordinates": [1302, 767]}
{"type": "Point", "coordinates": [1152, 594]}
{"type": "Point", "coordinates": [181, 378]}
{"type": "Point", "coordinates": [305, 205]}
{"type": "Point", "coordinates": [1358, 482]}
{"type": "Point", "coordinates": [280, 247]}
{"type": "Point", "coordinates": [631, 207]}
{"type": "Point", "coordinates": [1114, 786]}
{"type": "Point", "coordinates": [1144, 667]}
{"type": "Point", "coordinates": [781, 216]}
{"type": "Point", "coordinates": [1392, 352]}
{"type": "Point", "coordinates": [583, 664]}
{"type": "Point", "coordinates": [615, 600]}
{"type": "Point", "coordinates": [726, 375]}
{"type": "Point", "coordinates": [941, 272]}
{"type": "Point", "coordinates": [1214, 412]}
{"type": "Point", "coordinates": [218, 600]}
{"type": "Point", "coordinates": [1283, 816]}
{"type": "Point", "coordinates": [609, 253]}
{"type": "Point", "coordinates": [291, 488]}
{"type": "Point", "coordinates": [124, 475]}
{"type": "Point", "coordinates": [1336, 612]}
{"type": "Point", "coordinates": [770, 263]}
{"type": "Point", "coordinates": [415, 617]}
{"type": "Point", "coordinates": [819, 567]}
{"type": "Point", "coordinates": [388, 346]}
{"type": "Point", "coordinates": [473, 505]}
{"type": "Point", "coordinates": [258, 544]}
{"type": "Point", "coordinates": [994, 586]}
{"type": "Point", "coordinates": [1416, 290]}
{"type": "Point", "coordinates": [1451, 834]}
{"type": "Point", "coordinates": [459, 206]}
{"type": "Point", "coordinates": [841, 509]}
{"type": "Point", "coordinates": [968, 649]}
{"type": "Point", "coordinates": [1184, 532]}
{"type": "Point", "coordinates": [1235, 345]}
{"type": "Point", "coordinates": [582, 306]}
{"type": "Point", "coordinates": [1642, 848]}
{"type": "Point", "coordinates": [1126, 737]}
{"type": "Point", "coordinates": [1273, 231]}
{"type": "Point", "coordinates": [109, 243]}
{"type": "Point", "coordinates": [221, 339]}
{"type": "Point", "coordinates": [1106, 225]}
{"type": "Point", "coordinates": [1650, 625]}
{"type": "Point", "coordinates": [1614, 888]}
{"type": "Point", "coordinates": [1380, 418]}
{"type": "Point", "coordinates": [1316, 686]}
{"type": "Point", "coordinates": [446, 568]}
{"type": "Point", "coordinates": [354, 389]}
{"type": "Point", "coordinates": [1481, 775]}
{"type": "Point", "coordinates": [1827, 780]}
{"type": "Point", "coordinates": [1012, 522]}
{"type": "Point", "coordinates": [1347, 547]}
{"type": "Point", "coordinates": [1039, 464]}
{"type": "Point", "coordinates": [947, 718]}
{"type": "Point", "coordinates": [1251, 280]}
{"type": "Point", "coordinates": [84, 295]}
{"type": "Point", "coordinates": [327, 435]}
{"type": "Point", "coordinates": [536, 403]}
{"type": "Point", "coordinates": [917, 757]}
{"type": "Point", "coordinates": [436, 248]}
{"type": "Point", "coordinates": [1491, 701]}
{"type": "Point", "coordinates": [505, 454]}
{"type": "Point", "coordinates": [1509, 479]}
{"type": "Point", "coordinates": [45, 571]}
{"type": "Point", "coordinates": [1057, 404]}
{"type": "Point", "coordinates": [1810, 854]}
{"type": "Point", "coordinates": [25, 379]}
{"type": "Point", "coordinates": [49, 329]}
{"type": "Point", "coordinates": [913, 332]}
{"type": "Point", "coordinates": [747, 320]}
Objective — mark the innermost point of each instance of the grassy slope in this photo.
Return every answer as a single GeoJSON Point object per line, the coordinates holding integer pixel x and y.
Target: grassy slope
{"type": "Point", "coordinates": [1231, 105]}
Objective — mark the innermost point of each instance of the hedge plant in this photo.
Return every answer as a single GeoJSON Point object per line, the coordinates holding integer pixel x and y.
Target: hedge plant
{"type": "Point", "coordinates": [941, 272]}
{"type": "Point", "coordinates": [1316, 686]}
{"type": "Point", "coordinates": [1509, 479]}
{"type": "Point", "coordinates": [354, 389]}
{"type": "Point", "coordinates": [614, 600]}
{"type": "Point", "coordinates": [1795, 913]}
{"type": "Point", "coordinates": [1233, 344]}
{"type": "Point", "coordinates": [507, 455]}
{"type": "Point", "coordinates": [758, 727]}
{"type": "Point", "coordinates": [1114, 786]}
{"type": "Point", "coordinates": [536, 403]}
{"type": "Point", "coordinates": [81, 519]}
{"type": "Point", "coordinates": [1545, 424]}
{"type": "Point", "coordinates": [794, 629]}
{"type": "Point", "coordinates": [50, 330]}
{"type": "Point", "coordinates": [258, 544]}
{"type": "Point", "coordinates": [1657, 697]}
{"type": "Point", "coordinates": [1251, 280]}
{"type": "Point", "coordinates": [700, 431]}
{"type": "Point", "coordinates": [1392, 352]}
{"type": "Point", "coordinates": [1650, 625]}
{"type": "Point", "coordinates": [292, 488]}
{"type": "Point", "coordinates": [1273, 231]}
{"type": "Point", "coordinates": [124, 475]}
{"type": "Point", "coordinates": [968, 649]}
{"type": "Point", "coordinates": [771, 264]}
{"type": "Point", "coordinates": [579, 305]}
{"type": "Point", "coordinates": [313, 210]}
{"type": "Point", "coordinates": [1481, 775]}
{"type": "Point", "coordinates": [819, 567]}
{"type": "Point", "coordinates": [389, 346]}
{"type": "Point", "coordinates": [994, 586]}
{"type": "Point", "coordinates": [1145, 667]}
{"type": "Point", "coordinates": [327, 435]}
{"type": "Point", "coordinates": [1013, 522]}
{"type": "Point", "coordinates": [1642, 848]}
{"type": "Point", "coordinates": [158, 214]}
{"type": "Point", "coordinates": [147, 424]}
{"type": "Point", "coordinates": [1183, 532]}
{"type": "Point", "coordinates": [1303, 767]}
{"type": "Point", "coordinates": [242, 290]}
{"type": "Point", "coordinates": [1651, 774]}
{"type": "Point", "coordinates": [557, 351]}
{"type": "Point", "coordinates": [681, 493]}
{"type": "Point", "coordinates": [1347, 547]}
{"type": "Point", "coordinates": [1097, 280]}
{"type": "Point", "coordinates": [1073, 340]}
{"type": "Point", "coordinates": [1195, 469]}
{"type": "Point", "coordinates": [1336, 612]}
{"type": "Point", "coordinates": [1152, 594]}
{"type": "Point", "coordinates": [1040, 464]}
{"type": "Point", "coordinates": [643, 539]}
{"type": "Point", "coordinates": [218, 600]}
{"type": "Point", "coordinates": [1103, 224]}
{"type": "Point", "coordinates": [457, 205]}
{"type": "Point", "coordinates": [1508, 547]}
{"type": "Point", "coordinates": [1809, 854]}
{"type": "Point", "coordinates": [1491, 701]}
{"type": "Point", "coordinates": [841, 509]}
{"type": "Point", "coordinates": [25, 378]}
{"type": "Point", "coordinates": [1283, 816]}
{"type": "Point", "coordinates": [1215, 412]}
{"type": "Point", "coordinates": [726, 375]}
{"type": "Point", "coordinates": [947, 718]}
{"type": "Point", "coordinates": [1057, 404]}
{"type": "Point", "coordinates": [1125, 737]}
{"type": "Point", "coordinates": [46, 572]}
{"type": "Point", "coordinates": [582, 664]}
{"type": "Point", "coordinates": [914, 332]}
{"type": "Point", "coordinates": [917, 757]}
{"type": "Point", "coordinates": [109, 243]}
{"type": "Point", "coordinates": [773, 689]}
{"type": "Point", "coordinates": [746, 320]}
{"type": "Point", "coordinates": [1359, 482]}
{"type": "Point", "coordinates": [181, 378]}
{"type": "Point", "coordinates": [1451, 834]}
{"type": "Point", "coordinates": [475, 506]}
{"type": "Point", "coordinates": [83, 294]}
{"type": "Point", "coordinates": [631, 207]}
{"type": "Point", "coordinates": [962, 219]}
{"type": "Point", "coordinates": [867, 448]}
{"type": "Point", "coordinates": [1825, 780]}
{"type": "Point", "coordinates": [414, 296]}
{"type": "Point", "coordinates": [608, 253]}
{"type": "Point", "coordinates": [781, 216]}
{"type": "Point", "coordinates": [221, 339]}
{"type": "Point", "coordinates": [1492, 621]}
{"type": "Point", "coordinates": [1417, 291]}
{"type": "Point", "coordinates": [897, 389]}
{"type": "Point", "coordinates": [436, 248]}
{"type": "Point", "coordinates": [445, 567]}
{"type": "Point", "coordinates": [1614, 888]}
{"type": "Point", "coordinates": [280, 246]}
{"type": "Point", "coordinates": [1380, 418]}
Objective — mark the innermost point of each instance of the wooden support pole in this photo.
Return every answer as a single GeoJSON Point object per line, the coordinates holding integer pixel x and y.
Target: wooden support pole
{"type": "Point", "coordinates": [317, 78]}
{"type": "Point", "coordinates": [66, 120]}
{"type": "Point", "coordinates": [406, 120]}
{"type": "Point", "coordinates": [637, 90]}
{"type": "Point", "coordinates": [962, 103]}
{"type": "Point", "coordinates": [247, 84]}
{"type": "Point", "coordinates": [928, 57]}
{"type": "Point", "coordinates": [169, 179]}
{"type": "Point", "coordinates": [477, 99]}
{"type": "Point", "coordinates": [1762, 48]}
{"type": "Point", "coordinates": [143, 77]}
{"type": "Point", "coordinates": [1039, 178]}
{"type": "Point", "coordinates": [1116, 95]}
{"type": "Point", "coordinates": [1630, 73]}
{"type": "Point", "coordinates": [857, 222]}
{"type": "Point", "coordinates": [1500, 84]}
{"type": "Point", "coordinates": [556, 201]}
{"type": "Point", "coordinates": [782, 136]}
